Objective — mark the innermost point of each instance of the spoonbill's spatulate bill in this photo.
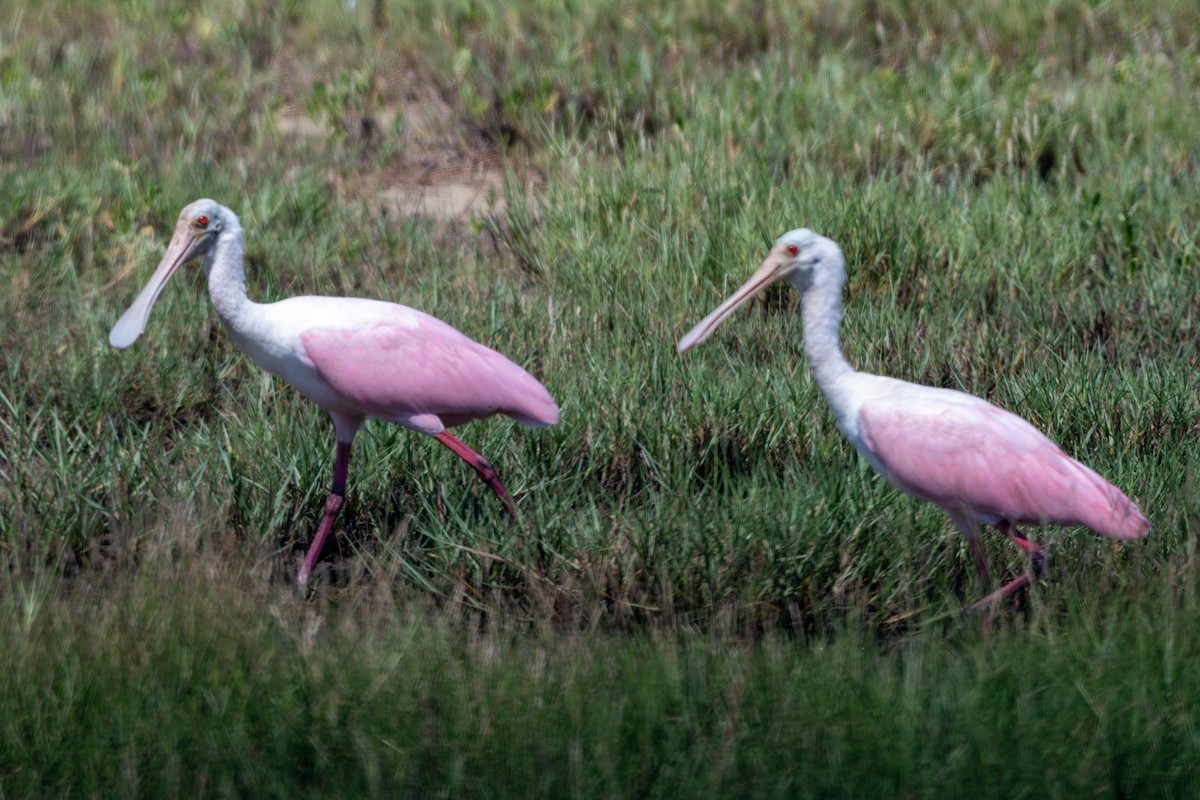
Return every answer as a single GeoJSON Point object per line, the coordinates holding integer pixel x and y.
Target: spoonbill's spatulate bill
{"type": "Point", "coordinates": [354, 357]}
{"type": "Point", "coordinates": [980, 463]}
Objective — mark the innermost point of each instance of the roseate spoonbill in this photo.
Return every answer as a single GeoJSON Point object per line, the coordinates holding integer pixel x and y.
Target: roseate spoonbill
{"type": "Point", "coordinates": [982, 464]}
{"type": "Point", "coordinates": [354, 357]}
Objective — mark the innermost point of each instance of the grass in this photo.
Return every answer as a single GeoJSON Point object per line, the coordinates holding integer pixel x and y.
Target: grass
{"type": "Point", "coordinates": [729, 602]}
{"type": "Point", "coordinates": [228, 685]}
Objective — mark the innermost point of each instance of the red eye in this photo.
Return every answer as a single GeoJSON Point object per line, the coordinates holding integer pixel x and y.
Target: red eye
{"type": "Point", "coordinates": [793, 250]}
{"type": "Point", "coordinates": [202, 221]}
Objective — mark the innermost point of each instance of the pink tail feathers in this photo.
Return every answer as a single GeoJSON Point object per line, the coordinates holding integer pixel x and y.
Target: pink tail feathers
{"type": "Point", "coordinates": [1124, 520]}
{"type": "Point", "coordinates": [1109, 512]}
{"type": "Point", "coordinates": [535, 407]}
{"type": "Point", "coordinates": [527, 400]}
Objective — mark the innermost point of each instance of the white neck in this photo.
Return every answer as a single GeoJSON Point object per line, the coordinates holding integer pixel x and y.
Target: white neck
{"type": "Point", "coordinates": [822, 309]}
{"type": "Point", "coordinates": [226, 277]}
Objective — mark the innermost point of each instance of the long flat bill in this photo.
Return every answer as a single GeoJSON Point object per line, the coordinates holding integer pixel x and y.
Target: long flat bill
{"type": "Point", "coordinates": [131, 324]}
{"type": "Point", "coordinates": [766, 274]}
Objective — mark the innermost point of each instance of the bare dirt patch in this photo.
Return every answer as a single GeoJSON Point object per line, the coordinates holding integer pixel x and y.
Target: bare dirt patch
{"type": "Point", "coordinates": [436, 169]}
{"type": "Point", "coordinates": [444, 198]}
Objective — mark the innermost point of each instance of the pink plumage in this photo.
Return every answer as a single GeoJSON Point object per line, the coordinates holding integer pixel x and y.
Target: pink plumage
{"type": "Point", "coordinates": [982, 464]}
{"type": "Point", "coordinates": [429, 377]}
{"type": "Point", "coordinates": [355, 357]}
{"type": "Point", "coordinates": [962, 453]}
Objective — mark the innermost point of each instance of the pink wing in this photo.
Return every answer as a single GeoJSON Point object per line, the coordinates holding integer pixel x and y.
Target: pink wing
{"type": "Point", "coordinates": [962, 453]}
{"type": "Point", "coordinates": [428, 377]}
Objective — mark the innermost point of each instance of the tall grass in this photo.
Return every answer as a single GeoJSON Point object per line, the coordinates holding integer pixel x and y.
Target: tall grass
{"type": "Point", "coordinates": [229, 685]}
{"type": "Point", "coordinates": [706, 591]}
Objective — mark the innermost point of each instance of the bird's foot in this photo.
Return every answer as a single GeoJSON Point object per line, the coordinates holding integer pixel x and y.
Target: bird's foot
{"type": "Point", "coordinates": [333, 504]}
{"type": "Point", "coordinates": [488, 474]}
{"type": "Point", "coordinates": [483, 468]}
{"type": "Point", "coordinates": [1038, 563]}
{"type": "Point", "coordinates": [989, 602]}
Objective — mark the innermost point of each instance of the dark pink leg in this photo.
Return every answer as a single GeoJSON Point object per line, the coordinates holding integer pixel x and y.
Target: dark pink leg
{"type": "Point", "coordinates": [333, 504]}
{"type": "Point", "coordinates": [1037, 556]}
{"type": "Point", "coordinates": [480, 465]}
{"type": "Point", "coordinates": [1037, 562]}
{"type": "Point", "coordinates": [976, 548]}
{"type": "Point", "coordinates": [985, 578]}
